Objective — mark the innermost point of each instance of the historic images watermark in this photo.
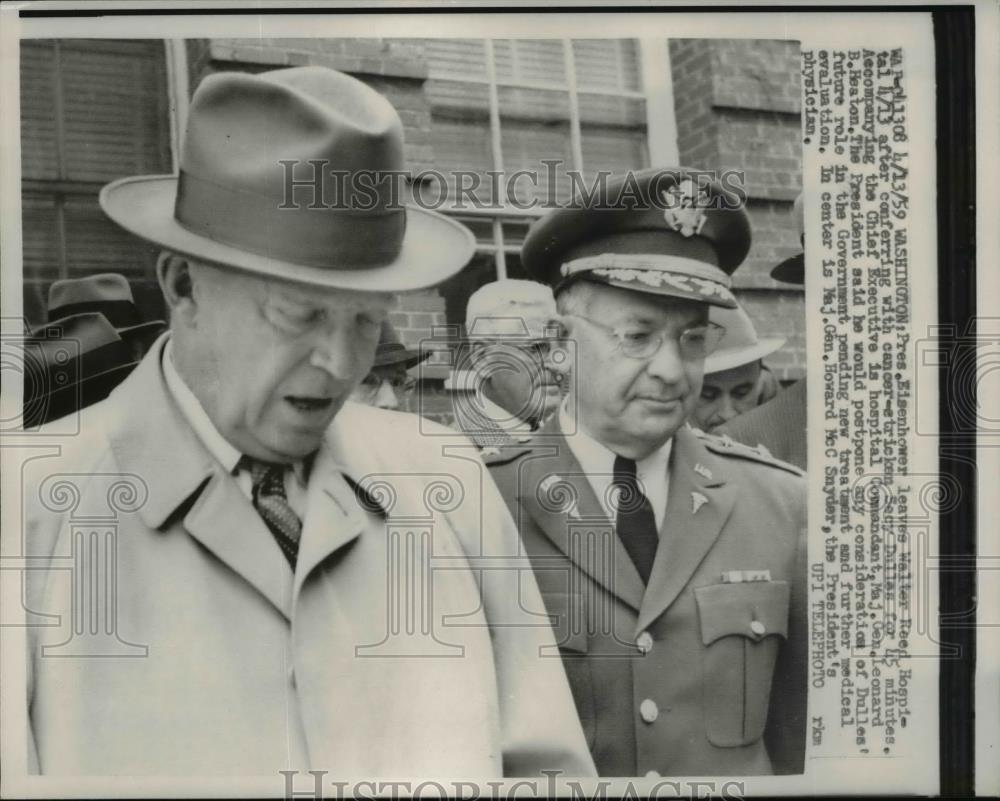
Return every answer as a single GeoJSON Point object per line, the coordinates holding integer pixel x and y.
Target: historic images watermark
{"type": "Point", "coordinates": [316, 185]}
{"type": "Point", "coordinates": [316, 784]}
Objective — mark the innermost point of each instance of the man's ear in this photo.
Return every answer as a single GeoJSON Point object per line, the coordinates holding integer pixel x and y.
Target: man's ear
{"type": "Point", "coordinates": [563, 344]}
{"type": "Point", "coordinates": [177, 285]}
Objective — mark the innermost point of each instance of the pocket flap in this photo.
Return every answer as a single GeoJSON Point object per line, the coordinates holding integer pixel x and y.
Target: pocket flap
{"type": "Point", "coordinates": [753, 609]}
{"type": "Point", "coordinates": [565, 610]}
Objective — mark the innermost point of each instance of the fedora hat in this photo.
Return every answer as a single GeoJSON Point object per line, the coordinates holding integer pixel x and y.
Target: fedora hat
{"type": "Point", "coordinates": [294, 174]}
{"type": "Point", "coordinates": [391, 352]}
{"type": "Point", "coordinates": [70, 364]}
{"type": "Point", "coordinates": [109, 294]}
{"type": "Point", "coordinates": [740, 345]}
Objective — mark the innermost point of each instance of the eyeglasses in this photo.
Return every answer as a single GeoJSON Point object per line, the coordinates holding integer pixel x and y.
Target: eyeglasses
{"type": "Point", "coordinates": [695, 342]}
{"type": "Point", "coordinates": [372, 383]}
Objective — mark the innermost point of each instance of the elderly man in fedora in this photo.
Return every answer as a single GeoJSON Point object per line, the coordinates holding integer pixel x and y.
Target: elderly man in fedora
{"type": "Point", "coordinates": [265, 526]}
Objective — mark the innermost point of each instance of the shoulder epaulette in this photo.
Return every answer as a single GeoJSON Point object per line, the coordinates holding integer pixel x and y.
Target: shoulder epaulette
{"type": "Point", "coordinates": [724, 445]}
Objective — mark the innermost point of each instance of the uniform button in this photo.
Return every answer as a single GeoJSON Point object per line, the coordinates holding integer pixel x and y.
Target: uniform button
{"type": "Point", "coordinates": [652, 774]}
{"type": "Point", "coordinates": [758, 628]}
{"type": "Point", "coordinates": [648, 710]}
{"type": "Point", "coordinates": [644, 642]}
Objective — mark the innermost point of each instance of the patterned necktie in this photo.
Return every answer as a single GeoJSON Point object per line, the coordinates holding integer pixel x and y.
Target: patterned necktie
{"type": "Point", "coordinates": [271, 503]}
{"type": "Point", "coordinates": [635, 523]}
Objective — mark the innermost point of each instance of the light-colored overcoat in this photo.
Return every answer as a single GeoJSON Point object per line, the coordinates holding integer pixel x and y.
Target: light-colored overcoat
{"type": "Point", "coordinates": [181, 643]}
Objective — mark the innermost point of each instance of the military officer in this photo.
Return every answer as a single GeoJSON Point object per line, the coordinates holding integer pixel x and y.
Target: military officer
{"type": "Point", "coordinates": [510, 386]}
{"type": "Point", "coordinates": [670, 561]}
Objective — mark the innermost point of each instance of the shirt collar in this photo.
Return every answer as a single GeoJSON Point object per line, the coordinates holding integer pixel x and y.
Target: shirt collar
{"type": "Point", "coordinates": [217, 445]}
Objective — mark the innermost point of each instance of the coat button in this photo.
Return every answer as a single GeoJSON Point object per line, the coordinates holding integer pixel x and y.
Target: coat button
{"type": "Point", "coordinates": [652, 774]}
{"type": "Point", "coordinates": [758, 628]}
{"type": "Point", "coordinates": [648, 710]}
{"type": "Point", "coordinates": [644, 642]}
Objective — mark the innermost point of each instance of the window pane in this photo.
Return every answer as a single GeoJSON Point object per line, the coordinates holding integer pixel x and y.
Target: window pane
{"type": "Point", "coordinates": [40, 235]}
{"type": "Point", "coordinates": [612, 110]}
{"type": "Point", "coordinates": [460, 135]}
{"type": "Point", "coordinates": [530, 61]}
{"type": "Point", "coordinates": [608, 64]}
{"type": "Point", "coordinates": [39, 156]}
{"type": "Point", "coordinates": [459, 58]}
{"type": "Point", "coordinates": [94, 244]}
{"type": "Point", "coordinates": [114, 110]}
{"type": "Point", "coordinates": [534, 127]}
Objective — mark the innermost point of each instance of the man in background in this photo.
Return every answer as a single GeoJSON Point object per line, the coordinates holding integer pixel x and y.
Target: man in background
{"type": "Point", "coordinates": [509, 387]}
{"type": "Point", "coordinates": [735, 377]}
{"type": "Point", "coordinates": [780, 424]}
{"type": "Point", "coordinates": [389, 384]}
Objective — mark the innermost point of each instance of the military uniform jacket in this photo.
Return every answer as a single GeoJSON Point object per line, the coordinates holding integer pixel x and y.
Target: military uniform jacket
{"type": "Point", "coordinates": [692, 675]}
{"type": "Point", "coordinates": [214, 658]}
{"type": "Point", "coordinates": [779, 425]}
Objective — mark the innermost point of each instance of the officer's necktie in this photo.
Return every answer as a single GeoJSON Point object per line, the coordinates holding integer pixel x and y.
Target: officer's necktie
{"type": "Point", "coordinates": [635, 522]}
{"type": "Point", "coordinates": [271, 503]}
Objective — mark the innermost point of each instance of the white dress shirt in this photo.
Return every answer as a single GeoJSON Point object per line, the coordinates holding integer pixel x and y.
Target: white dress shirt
{"type": "Point", "coordinates": [598, 463]}
{"type": "Point", "coordinates": [219, 446]}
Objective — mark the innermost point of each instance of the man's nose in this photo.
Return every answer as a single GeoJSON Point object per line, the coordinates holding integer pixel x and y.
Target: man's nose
{"type": "Point", "coordinates": [727, 409]}
{"type": "Point", "coordinates": [667, 364]}
{"type": "Point", "coordinates": [336, 353]}
{"type": "Point", "coordinates": [385, 397]}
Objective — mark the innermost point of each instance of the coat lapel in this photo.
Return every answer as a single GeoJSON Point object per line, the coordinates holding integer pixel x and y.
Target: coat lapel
{"type": "Point", "coordinates": [333, 517]}
{"type": "Point", "coordinates": [153, 441]}
{"type": "Point", "coordinates": [224, 521]}
{"type": "Point", "coordinates": [700, 501]}
{"type": "Point", "coordinates": [554, 491]}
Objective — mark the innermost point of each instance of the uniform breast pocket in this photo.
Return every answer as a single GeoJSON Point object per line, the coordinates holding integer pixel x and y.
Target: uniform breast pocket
{"type": "Point", "coordinates": [742, 628]}
{"type": "Point", "coordinates": [569, 624]}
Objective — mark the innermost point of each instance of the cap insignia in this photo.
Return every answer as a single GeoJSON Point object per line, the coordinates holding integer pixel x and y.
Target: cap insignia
{"type": "Point", "coordinates": [685, 207]}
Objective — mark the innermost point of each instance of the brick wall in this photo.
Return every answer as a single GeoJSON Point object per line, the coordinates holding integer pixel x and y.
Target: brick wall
{"type": "Point", "coordinates": [737, 104]}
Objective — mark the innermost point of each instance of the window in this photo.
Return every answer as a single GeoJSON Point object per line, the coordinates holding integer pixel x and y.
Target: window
{"type": "Point", "coordinates": [505, 105]}
{"type": "Point", "coordinates": [92, 111]}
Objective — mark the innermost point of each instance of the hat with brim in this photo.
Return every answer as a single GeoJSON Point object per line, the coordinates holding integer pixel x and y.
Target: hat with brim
{"type": "Point", "coordinates": [740, 345]}
{"type": "Point", "coordinates": [71, 363]}
{"type": "Point", "coordinates": [391, 352]}
{"type": "Point", "coordinates": [109, 294]}
{"type": "Point", "coordinates": [668, 231]}
{"type": "Point", "coordinates": [511, 309]}
{"type": "Point", "coordinates": [294, 174]}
